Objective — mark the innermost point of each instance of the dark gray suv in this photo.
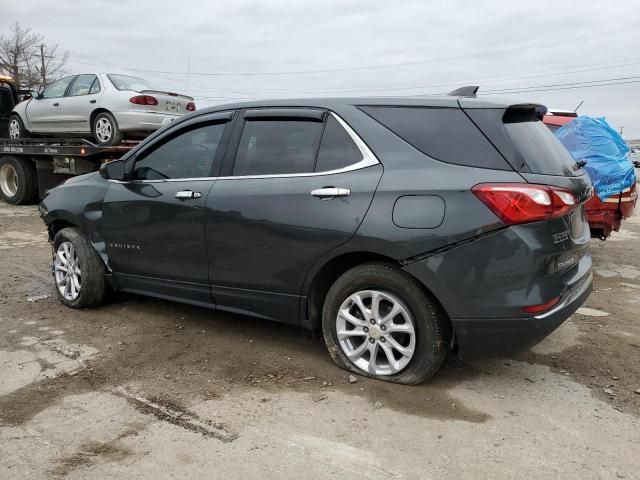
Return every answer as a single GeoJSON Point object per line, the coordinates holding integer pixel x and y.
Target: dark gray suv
{"type": "Point", "coordinates": [405, 228]}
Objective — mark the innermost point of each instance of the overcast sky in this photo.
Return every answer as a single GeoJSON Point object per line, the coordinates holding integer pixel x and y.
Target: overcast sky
{"type": "Point", "coordinates": [277, 48]}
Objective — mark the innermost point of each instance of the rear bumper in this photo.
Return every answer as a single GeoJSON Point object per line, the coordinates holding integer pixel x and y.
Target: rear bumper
{"type": "Point", "coordinates": [606, 216]}
{"type": "Point", "coordinates": [142, 121]}
{"type": "Point", "coordinates": [487, 338]}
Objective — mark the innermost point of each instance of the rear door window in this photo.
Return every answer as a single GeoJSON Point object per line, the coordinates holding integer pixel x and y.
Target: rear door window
{"type": "Point", "coordinates": [337, 149]}
{"type": "Point", "coordinates": [271, 147]}
{"type": "Point", "coordinates": [445, 134]}
{"type": "Point", "coordinates": [82, 85]}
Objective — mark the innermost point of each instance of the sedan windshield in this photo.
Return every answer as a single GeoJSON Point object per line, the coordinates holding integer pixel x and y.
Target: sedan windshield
{"type": "Point", "coordinates": [125, 82]}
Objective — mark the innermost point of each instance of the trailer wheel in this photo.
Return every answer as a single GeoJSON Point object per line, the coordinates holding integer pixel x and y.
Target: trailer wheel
{"type": "Point", "coordinates": [18, 181]}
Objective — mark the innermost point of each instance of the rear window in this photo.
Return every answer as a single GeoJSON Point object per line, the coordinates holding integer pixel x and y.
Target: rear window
{"type": "Point", "coordinates": [541, 150]}
{"type": "Point", "coordinates": [125, 82]}
{"type": "Point", "coordinates": [445, 134]}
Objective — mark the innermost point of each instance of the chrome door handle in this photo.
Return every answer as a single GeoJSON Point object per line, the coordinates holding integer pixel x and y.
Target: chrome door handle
{"type": "Point", "coordinates": [331, 192]}
{"type": "Point", "coordinates": [187, 195]}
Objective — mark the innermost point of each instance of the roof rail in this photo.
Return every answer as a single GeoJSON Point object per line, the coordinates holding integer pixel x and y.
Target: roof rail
{"type": "Point", "coordinates": [469, 91]}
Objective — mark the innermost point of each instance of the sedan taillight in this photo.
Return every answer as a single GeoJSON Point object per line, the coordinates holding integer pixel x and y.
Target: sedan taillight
{"type": "Point", "coordinates": [144, 100]}
{"type": "Point", "coordinates": [516, 203]}
{"type": "Point", "coordinates": [191, 107]}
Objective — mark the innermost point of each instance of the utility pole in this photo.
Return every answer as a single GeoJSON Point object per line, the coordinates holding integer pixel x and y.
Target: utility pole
{"type": "Point", "coordinates": [43, 64]}
{"type": "Point", "coordinates": [43, 72]}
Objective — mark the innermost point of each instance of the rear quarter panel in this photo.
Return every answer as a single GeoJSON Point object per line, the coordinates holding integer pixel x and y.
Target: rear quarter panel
{"type": "Point", "coordinates": [407, 171]}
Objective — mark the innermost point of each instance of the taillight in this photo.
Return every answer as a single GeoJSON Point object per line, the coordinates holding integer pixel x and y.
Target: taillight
{"type": "Point", "coordinates": [516, 203]}
{"type": "Point", "coordinates": [144, 100]}
{"type": "Point", "coordinates": [191, 107]}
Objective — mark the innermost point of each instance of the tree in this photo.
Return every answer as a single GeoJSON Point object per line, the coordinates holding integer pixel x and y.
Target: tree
{"type": "Point", "coordinates": [26, 57]}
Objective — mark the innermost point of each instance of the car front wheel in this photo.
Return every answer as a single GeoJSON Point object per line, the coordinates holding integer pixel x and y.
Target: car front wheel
{"type": "Point", "coordinates": [378, 321]}
{"type": "Point", "coordinates": [78, 270]}
{"type": "Point", "coordinates": [16, 128]}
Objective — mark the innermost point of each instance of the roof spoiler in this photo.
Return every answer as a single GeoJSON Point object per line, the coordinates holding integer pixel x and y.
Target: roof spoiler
{"type": "Point", "coordinates": [469, 91]}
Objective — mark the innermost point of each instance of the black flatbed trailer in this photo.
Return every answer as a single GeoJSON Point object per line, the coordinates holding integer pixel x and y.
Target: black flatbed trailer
{"type": "Point", "coordinates": [30, 166]}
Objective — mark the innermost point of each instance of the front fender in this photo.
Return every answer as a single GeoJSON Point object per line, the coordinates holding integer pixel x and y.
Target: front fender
{"type": "Point", "coordinates": [78, 203]}
{"type": "Point", "coordinates": [21, 110]}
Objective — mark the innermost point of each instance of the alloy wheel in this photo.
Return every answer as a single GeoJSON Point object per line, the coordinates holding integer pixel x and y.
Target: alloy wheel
{"type": "Point", "coordinates": [376, 332]}
{"type": "Point", "coordinates": [8, 180]}
{"type": "Point", "coordinates": [104, 130]}
{"type": "Point", "coordinates": [67, 272]}
{"type": "Point", "coordinates": [14, 129]}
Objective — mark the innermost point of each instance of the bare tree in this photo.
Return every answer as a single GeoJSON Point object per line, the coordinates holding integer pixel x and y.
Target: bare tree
{"type": "Point", "coordinates": [15, 52]}
{"type": "Point", "coordinates": [26, 57]}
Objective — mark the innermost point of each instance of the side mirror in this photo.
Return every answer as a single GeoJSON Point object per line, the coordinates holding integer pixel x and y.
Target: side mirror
{"type": "Point", "coordinates": [35, 94]}
{"type": "Point", "coordinates": [113, 170]}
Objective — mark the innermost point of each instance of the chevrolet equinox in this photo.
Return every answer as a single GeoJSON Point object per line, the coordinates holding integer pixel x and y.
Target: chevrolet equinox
{"type": "Point", "coordinates": [404, 228]}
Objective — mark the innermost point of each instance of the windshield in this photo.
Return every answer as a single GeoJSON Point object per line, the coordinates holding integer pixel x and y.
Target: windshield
{"type": "Point", "coordinates": [125, 82]}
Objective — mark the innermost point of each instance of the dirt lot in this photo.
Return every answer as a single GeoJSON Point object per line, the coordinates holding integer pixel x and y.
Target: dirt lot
{"type": "Point", "coordinates": [153, 389]}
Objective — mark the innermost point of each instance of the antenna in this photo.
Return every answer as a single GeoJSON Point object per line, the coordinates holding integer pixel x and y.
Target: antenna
{"type": "Point", "coordinates": [579, 105]}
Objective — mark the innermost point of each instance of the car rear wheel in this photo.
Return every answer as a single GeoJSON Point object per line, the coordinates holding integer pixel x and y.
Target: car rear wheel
{"type": "Point", "coordinates": [105, 130]}
{"type": "Point", "coordinates": [16, 128]}
{"type": "Point", "coordinates": [78, 271]}
{"type": "Point", "coordinates": [18, 181]}
{"type": "Point", "coordinates": [377, 321]}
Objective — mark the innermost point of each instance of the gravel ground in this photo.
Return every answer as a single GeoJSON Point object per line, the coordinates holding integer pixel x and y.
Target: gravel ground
{"type": "Point", "coordinates": [153, 389]}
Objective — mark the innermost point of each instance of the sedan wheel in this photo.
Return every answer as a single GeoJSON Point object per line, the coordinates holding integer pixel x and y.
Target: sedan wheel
{"type": "Point", "coordinates": [67, 271]}
{"type": "Point", "coordinates": [14, 129]}
{"type": "Point", "coordinates": [376, 332]}
{"type": "Point", "coordinates": [104, 130]}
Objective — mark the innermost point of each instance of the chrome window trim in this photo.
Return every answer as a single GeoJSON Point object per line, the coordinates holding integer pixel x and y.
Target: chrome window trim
{"type": "Point", "coordinates": [368, 160]}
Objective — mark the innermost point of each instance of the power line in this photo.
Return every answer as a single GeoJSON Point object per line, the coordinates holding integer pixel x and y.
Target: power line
{"type": "Point", "coordinates": [479, 81]}
{"type": "Point", "coordinates": [555, 43]}
{"type": "Point", "coordinates": [563, 88]}
{"type": "Point", "coordinates": [499, 90]}
{"type": "Point", "coordinates": [515, 90]}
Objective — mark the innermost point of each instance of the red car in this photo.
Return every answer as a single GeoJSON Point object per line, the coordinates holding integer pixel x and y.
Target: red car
{"type": "Point", "coordinates": [604, 216]}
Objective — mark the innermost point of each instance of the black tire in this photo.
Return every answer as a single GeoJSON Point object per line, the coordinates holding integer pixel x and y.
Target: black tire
{"type": "Point", "coordinates": [18, 181]}
{"type": "Point", "coordinates": [92, 286]}
{"type": "Point", "coordinates": [22, 132]}
{"type": "Point", "coordinates": [115, 136]}
{"type": "Point", "coordinates": [432, 329]}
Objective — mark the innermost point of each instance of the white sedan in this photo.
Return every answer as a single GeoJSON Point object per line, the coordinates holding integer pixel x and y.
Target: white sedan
{"type": "Point", "coordinates": [106, 107]}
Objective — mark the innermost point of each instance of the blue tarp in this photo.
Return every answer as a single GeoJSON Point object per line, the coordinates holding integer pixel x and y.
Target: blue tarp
{"type": "Point", "coordinates": [604, 150]}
